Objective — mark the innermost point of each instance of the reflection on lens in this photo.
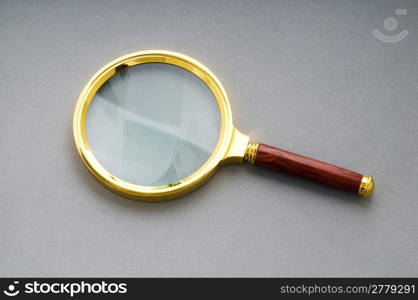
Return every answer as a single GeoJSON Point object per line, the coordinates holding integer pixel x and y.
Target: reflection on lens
{"type": "Point", "coordinates": [153, 124]}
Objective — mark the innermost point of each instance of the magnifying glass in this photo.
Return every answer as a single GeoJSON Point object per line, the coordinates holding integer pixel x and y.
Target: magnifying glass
{"type": "Point", "coordinates": [155, 125]}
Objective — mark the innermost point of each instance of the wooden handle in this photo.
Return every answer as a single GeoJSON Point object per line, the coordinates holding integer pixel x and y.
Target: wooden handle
{"type": "Point", "coordinates": [287, 162]}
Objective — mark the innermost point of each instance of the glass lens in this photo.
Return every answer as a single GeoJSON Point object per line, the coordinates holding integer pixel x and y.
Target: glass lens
{"type": "Point", "coordinates": [153, 124]}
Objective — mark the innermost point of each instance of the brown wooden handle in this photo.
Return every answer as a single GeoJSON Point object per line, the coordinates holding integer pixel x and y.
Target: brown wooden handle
{"type": "Point", "coordinates": [312, 169]}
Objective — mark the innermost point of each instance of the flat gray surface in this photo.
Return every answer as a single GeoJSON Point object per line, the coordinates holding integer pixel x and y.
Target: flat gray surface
{"type": "Point", "coordinates": [307, 76]}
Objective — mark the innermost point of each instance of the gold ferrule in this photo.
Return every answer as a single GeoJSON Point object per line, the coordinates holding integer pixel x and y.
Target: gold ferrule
{"type": "Point", "coordinates": [251, 152]}
{"type": "Point", "coordinates": [366, 186]}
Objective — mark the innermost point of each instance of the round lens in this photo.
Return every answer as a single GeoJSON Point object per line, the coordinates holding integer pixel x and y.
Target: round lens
{"type": "Point", "coordinates": [153, 124]}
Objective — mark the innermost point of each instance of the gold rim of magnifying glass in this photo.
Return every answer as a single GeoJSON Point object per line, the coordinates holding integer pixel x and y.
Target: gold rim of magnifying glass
{"type": "Point", "coordinates": [230, 147]}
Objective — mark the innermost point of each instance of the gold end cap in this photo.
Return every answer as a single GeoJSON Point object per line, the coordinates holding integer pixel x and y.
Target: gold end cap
{"type": "Point", "coordinates": [366, 186]}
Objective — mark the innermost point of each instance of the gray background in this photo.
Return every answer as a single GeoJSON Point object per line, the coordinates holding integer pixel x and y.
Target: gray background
{"type": "Point", "coordinates": [307, 76]}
